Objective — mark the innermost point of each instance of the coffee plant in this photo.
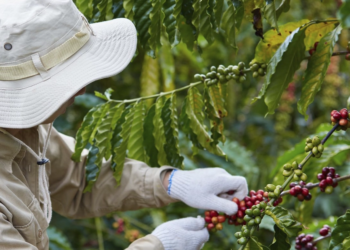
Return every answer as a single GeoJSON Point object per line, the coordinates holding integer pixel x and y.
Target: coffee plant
{"type": "Point", "coordinates": [148, 128]}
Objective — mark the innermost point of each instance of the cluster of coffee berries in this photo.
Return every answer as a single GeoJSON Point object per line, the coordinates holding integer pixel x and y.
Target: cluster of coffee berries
{"type": "Point", "coordinates": [214, 220]}
{"type": "Point", "coordinates": [325, 230]}
{"type": "Point", "coordinates": [132, 235]}
{"type": "Point", "coordinates": [314, 145]}
{"type": "Point", "coordinates": [341, 117]}
{"type": "Point", "coordinates": [326, 179]}
{"type": "Point", "coordinates": [242, 236]}
{"type": "Point", "coordinates": [300, 191]}
{"type": "Point", "coordinates": [223, 74]}
{"type": "Point", "coordinates": [258, 69]}
{"type": "Point", "coordinates": [311, 51]}
{"type": "Point", "coordinates": [253, 215]}
{"type": "Point", "coordinates": [303, 242]}
{"type": "Point", "coordinates": [347, 56]}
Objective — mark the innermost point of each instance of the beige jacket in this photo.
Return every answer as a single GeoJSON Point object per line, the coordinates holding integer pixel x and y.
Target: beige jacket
{"type": "Point", "coordinates": [22, 221]}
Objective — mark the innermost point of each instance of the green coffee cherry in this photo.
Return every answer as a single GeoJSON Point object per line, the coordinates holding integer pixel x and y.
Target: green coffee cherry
{"type": "Point", "coordinates": [287, 166]}
{"type": "Point", "coordinates": [298, 172]}
{"type": "Point", "coordinates": [272, 195]}
{"type": "Point", "coordinates": [262, 205]}
{"type": "Point", "coordinates": [316, 141]}
{"type": "Point", "coordinates": [257, 220]}
{"type": "Point", "coordinates": [198, 77]}
{"type": "Point", "coordinates": [261, 72]}
{"type": "Point", "coordinates": [247, 218]}
{"type": "Point", "coordinates": [212, 68]}
{"type": "Point", "coordinates": [241, 65]}
{"type": "Point", "coordinates": [271, 187]}
{"type": "Point", "coordinates": [242, 240]}
{"type": "Point", "coordinates": [303, 177]}
{"type": "Point", "coordinates": [251, 223]}
{"type": "Point", "coordinates": [255, 67]}
{"type": "Point", "coordinates": [222, 78]}
{"type": "Point", "coordinates": [235, 70]}
{"type": "Point", "coordinates": [245, 232]}
{"type": "Point", "coordinates": [228, 77]}
{"type": "Point", "coordinates": [242, 79]}
{"type": "Point", "coordinates": [314, 150]}
{"type": "Point", "coordinates": [308, 140]}
{"type": "Point", "coordinates": [249, 212]}
{"type": "Point", "coordinates": [238, 235]}
{"type": "Point", "coordinates": [255, 74]}
{"type": "Point", "coordinates": [236, 77]}
{"type": "Point", "coordinates": [295, 177]}
{"type": "Point", "coordinates": [264, 66]}
{"type": "Point", "coordinates": [295, 165]}
{"type": "Point", "coordinates": [276, 192]}
{"type": "Point", "coordinates": [310, 146]}
{"type": "Point", "coordinates": [256, 211]}
{"type": "Point", "coordinates": [307, 149]}
{"type": "Point", "coordinates": [320, 148]}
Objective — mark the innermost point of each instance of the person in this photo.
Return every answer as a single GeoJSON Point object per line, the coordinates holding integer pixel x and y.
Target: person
{"type": "Point", "coordinates": [48, 54]}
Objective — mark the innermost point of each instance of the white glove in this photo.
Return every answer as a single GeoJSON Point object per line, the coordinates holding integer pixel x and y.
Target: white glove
{"type": "Point", "coordinates": [183, 234]}
{"type": "Point", "coordinates": [207, 189]}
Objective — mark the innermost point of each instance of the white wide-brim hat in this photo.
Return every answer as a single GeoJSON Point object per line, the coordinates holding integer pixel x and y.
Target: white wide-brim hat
{"type": "Point", "coordinates": [43, 63]}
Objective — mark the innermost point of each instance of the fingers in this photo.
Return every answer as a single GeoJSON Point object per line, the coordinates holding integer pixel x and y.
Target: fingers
{"type": "Point", "coordinates": [222, 205]}
{"type": "Point", "coordinates": [201, 236]}
{"type": "Point", "coordinates": [228, 182]}
{"type": "Point", "coordinates": [191, 223]}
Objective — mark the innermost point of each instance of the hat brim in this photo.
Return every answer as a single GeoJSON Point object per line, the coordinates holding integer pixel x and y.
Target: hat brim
{"type": "Point", "coordinates": [29, 102]}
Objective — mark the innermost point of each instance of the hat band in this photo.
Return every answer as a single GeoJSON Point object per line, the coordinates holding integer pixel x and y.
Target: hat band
{"type": "Point", "coordinates": [50, 60]}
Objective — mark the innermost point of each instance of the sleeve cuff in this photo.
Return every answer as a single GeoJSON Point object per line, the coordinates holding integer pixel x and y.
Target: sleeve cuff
{"type": "Point", "coordinates": [149, 242]}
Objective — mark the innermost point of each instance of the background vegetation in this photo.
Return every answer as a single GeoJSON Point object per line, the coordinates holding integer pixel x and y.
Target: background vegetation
{"type": "Point", "coordinates": [255, 144]}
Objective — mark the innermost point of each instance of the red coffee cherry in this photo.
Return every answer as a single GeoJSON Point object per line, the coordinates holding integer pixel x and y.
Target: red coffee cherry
{"type": "Point", "coordinates": [344, 113]}
{"type": "Point", "coordinates": [347, 57]}
{"type": "Point", "coordinates": [336, 115]}
{"type": "Point", "coordinates": [324, 231]}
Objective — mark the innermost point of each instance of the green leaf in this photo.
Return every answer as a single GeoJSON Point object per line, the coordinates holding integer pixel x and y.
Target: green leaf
{"type": "Point", "coordinates": [167, 66]}
{"type": "Point", "coordinates": [270, 13]}
{"type": "Point", "coordinates": [92, 170]}
{"type": "Point", "coordinates": [117, 9]}
{"type": "Point", "coordinates": [85, 6]}
{"type": "Point", "coordinates": [171, 10]}
{"type": "Point", "coordinates": [201, 19]}
{"type": "Point", "coordinates": [187, 29]}
{"type": "Point", "coordinates": [284, 220]}
{"type": "Point", "coordinates": [120, 144]}
{"type": "Point", "coordinates": [195, 115]}
{"type": "Point", "coordinates": [228, 25]}
{"type": "Point", "coordinates": [341, 233]}
{"type": "Point", "coordinates": [185, 127]}
{"type": "Point", "coordinates": [171, 146]}
{"type": "Point", "coordinates": [218, 9]}
{"type": "Point", "coordinates": [58, 241]}
{"type": "Point", "coordinates": [149, 77]}
{"type": "Point", "coordinates": [128, 7]}
{"type": "Point", "coordinates": [103, 137]}
{"type": "Point", "coordinates": [284, 7]}
{"type": "Point", "coordinates": [217, 101]}
{"type": "Point", "coordinates": [100, 95]}
{"type": "Point", "coordinates": [280, 241]}
{"type": "Point", "coordinates": [102, 8]}
{"type": "Point", "coordinates": [85, 131]}
{"type": "Point", "coordinates": [253, 244]}
{"type": "Point", "coordinates": [155, 29]}
{"type": "Point", "coordinates": [317, 69]}
{"type": "Point", "coordinates": [148, 138]}
{"type": "Point", "coordinates": [239, 6]}
{"type": "Point", "coordinates": [158, 132]}
{"type": "Point", "coordinates": [136, 150]}
{"type": "Point", "coordinates": [282, 67]}
{"type": "Point", "coordinates": [344, 14]}
{"type": "Point", "coordinates": [98, 116]}
{"type": "Point", "coordinates": [142, 21]}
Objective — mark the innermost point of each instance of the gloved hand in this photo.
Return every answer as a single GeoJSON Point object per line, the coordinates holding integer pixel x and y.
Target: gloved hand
{"type": "Point", "coordinates": [188, 233]}
{"type": "Point", "coordinates": [207, 189]}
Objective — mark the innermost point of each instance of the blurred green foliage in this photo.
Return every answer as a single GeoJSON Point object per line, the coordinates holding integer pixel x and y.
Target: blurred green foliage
{"type": "Point", "coordinates": [255, 144]}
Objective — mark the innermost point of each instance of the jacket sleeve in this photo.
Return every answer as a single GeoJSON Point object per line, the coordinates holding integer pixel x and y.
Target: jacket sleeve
{"type": "Point", "coordinates": [140, 187]}
{"type": "Point", "coordinates": [10, 238]}
{"type": "Point", "coordinates": [149, 242]}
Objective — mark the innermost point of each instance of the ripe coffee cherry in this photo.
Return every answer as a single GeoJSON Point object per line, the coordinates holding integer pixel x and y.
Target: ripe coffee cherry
{"type": "Point", "coordinates": [329, 180]}
{"type": "Point", "coordinates": [343, 122]}
{"type": "Point", "coordinates": [305, 191]}
{"type": "Point", "coordinates": [324, 231]}
{"type": "Point", "coordinates": [213, 213]}
{"type": "Point", "coordinates": [214, 220]}
{"type": "Point", "coordinates": [293, 184]}
{"type": "Point", "coordinates": [292, 192]}
{"type": "Point", "coordinates": [347, 57]}
{"type": "Point", "coordinates": [323, 184]}
{"type": "Point", "coordinates": [221, 218]}
{"type": "Point", "coordinates": [320, 177]}
{"type": "Point", "coordinates": [297, 189]}
{"type": "Point", "coordinates": [344, 113]}
{"type": "Point", "coordinates": [210, 226]}
{"type": "Point", "coordinates": [218, 226]}
{"type": "Point", "coordinates": [309, 237]}
{"type": "Point", "coordinates": [207, 219]}
{"type": "Point", "coordinates": [308, 197]}
{"type": "Point", "coordinates": [336, 115]}
{"type": "Point", "coordinates": [325, 171]}
{"type": "Point", "coordinates": [309, 245]}
{"type": "Point", "coordinates": [300, 197]}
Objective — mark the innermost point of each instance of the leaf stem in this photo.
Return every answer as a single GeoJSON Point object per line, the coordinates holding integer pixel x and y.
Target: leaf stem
{"type": "Point", "coordinates": [322, 238]}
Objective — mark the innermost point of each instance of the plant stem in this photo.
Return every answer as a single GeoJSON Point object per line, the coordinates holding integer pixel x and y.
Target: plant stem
{"type": "Point", "coordinates": [322, 238]}
{"type": "Point", "coordinates": [314, 185]}
{"type": "Point", "coordinates": [330, 133]}
{"type": "Point", "coordinates": [99, 233]}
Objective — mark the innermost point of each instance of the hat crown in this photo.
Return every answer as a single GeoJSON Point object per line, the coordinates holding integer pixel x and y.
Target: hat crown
{"type": "Point", "coordinates": [35, 26]}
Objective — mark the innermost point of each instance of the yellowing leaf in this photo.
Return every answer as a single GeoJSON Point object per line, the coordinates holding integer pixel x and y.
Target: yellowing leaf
{"type": "Point", "coordinates": [316, 32]}
{"type": "Point", "coordinates": [266, 48]}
